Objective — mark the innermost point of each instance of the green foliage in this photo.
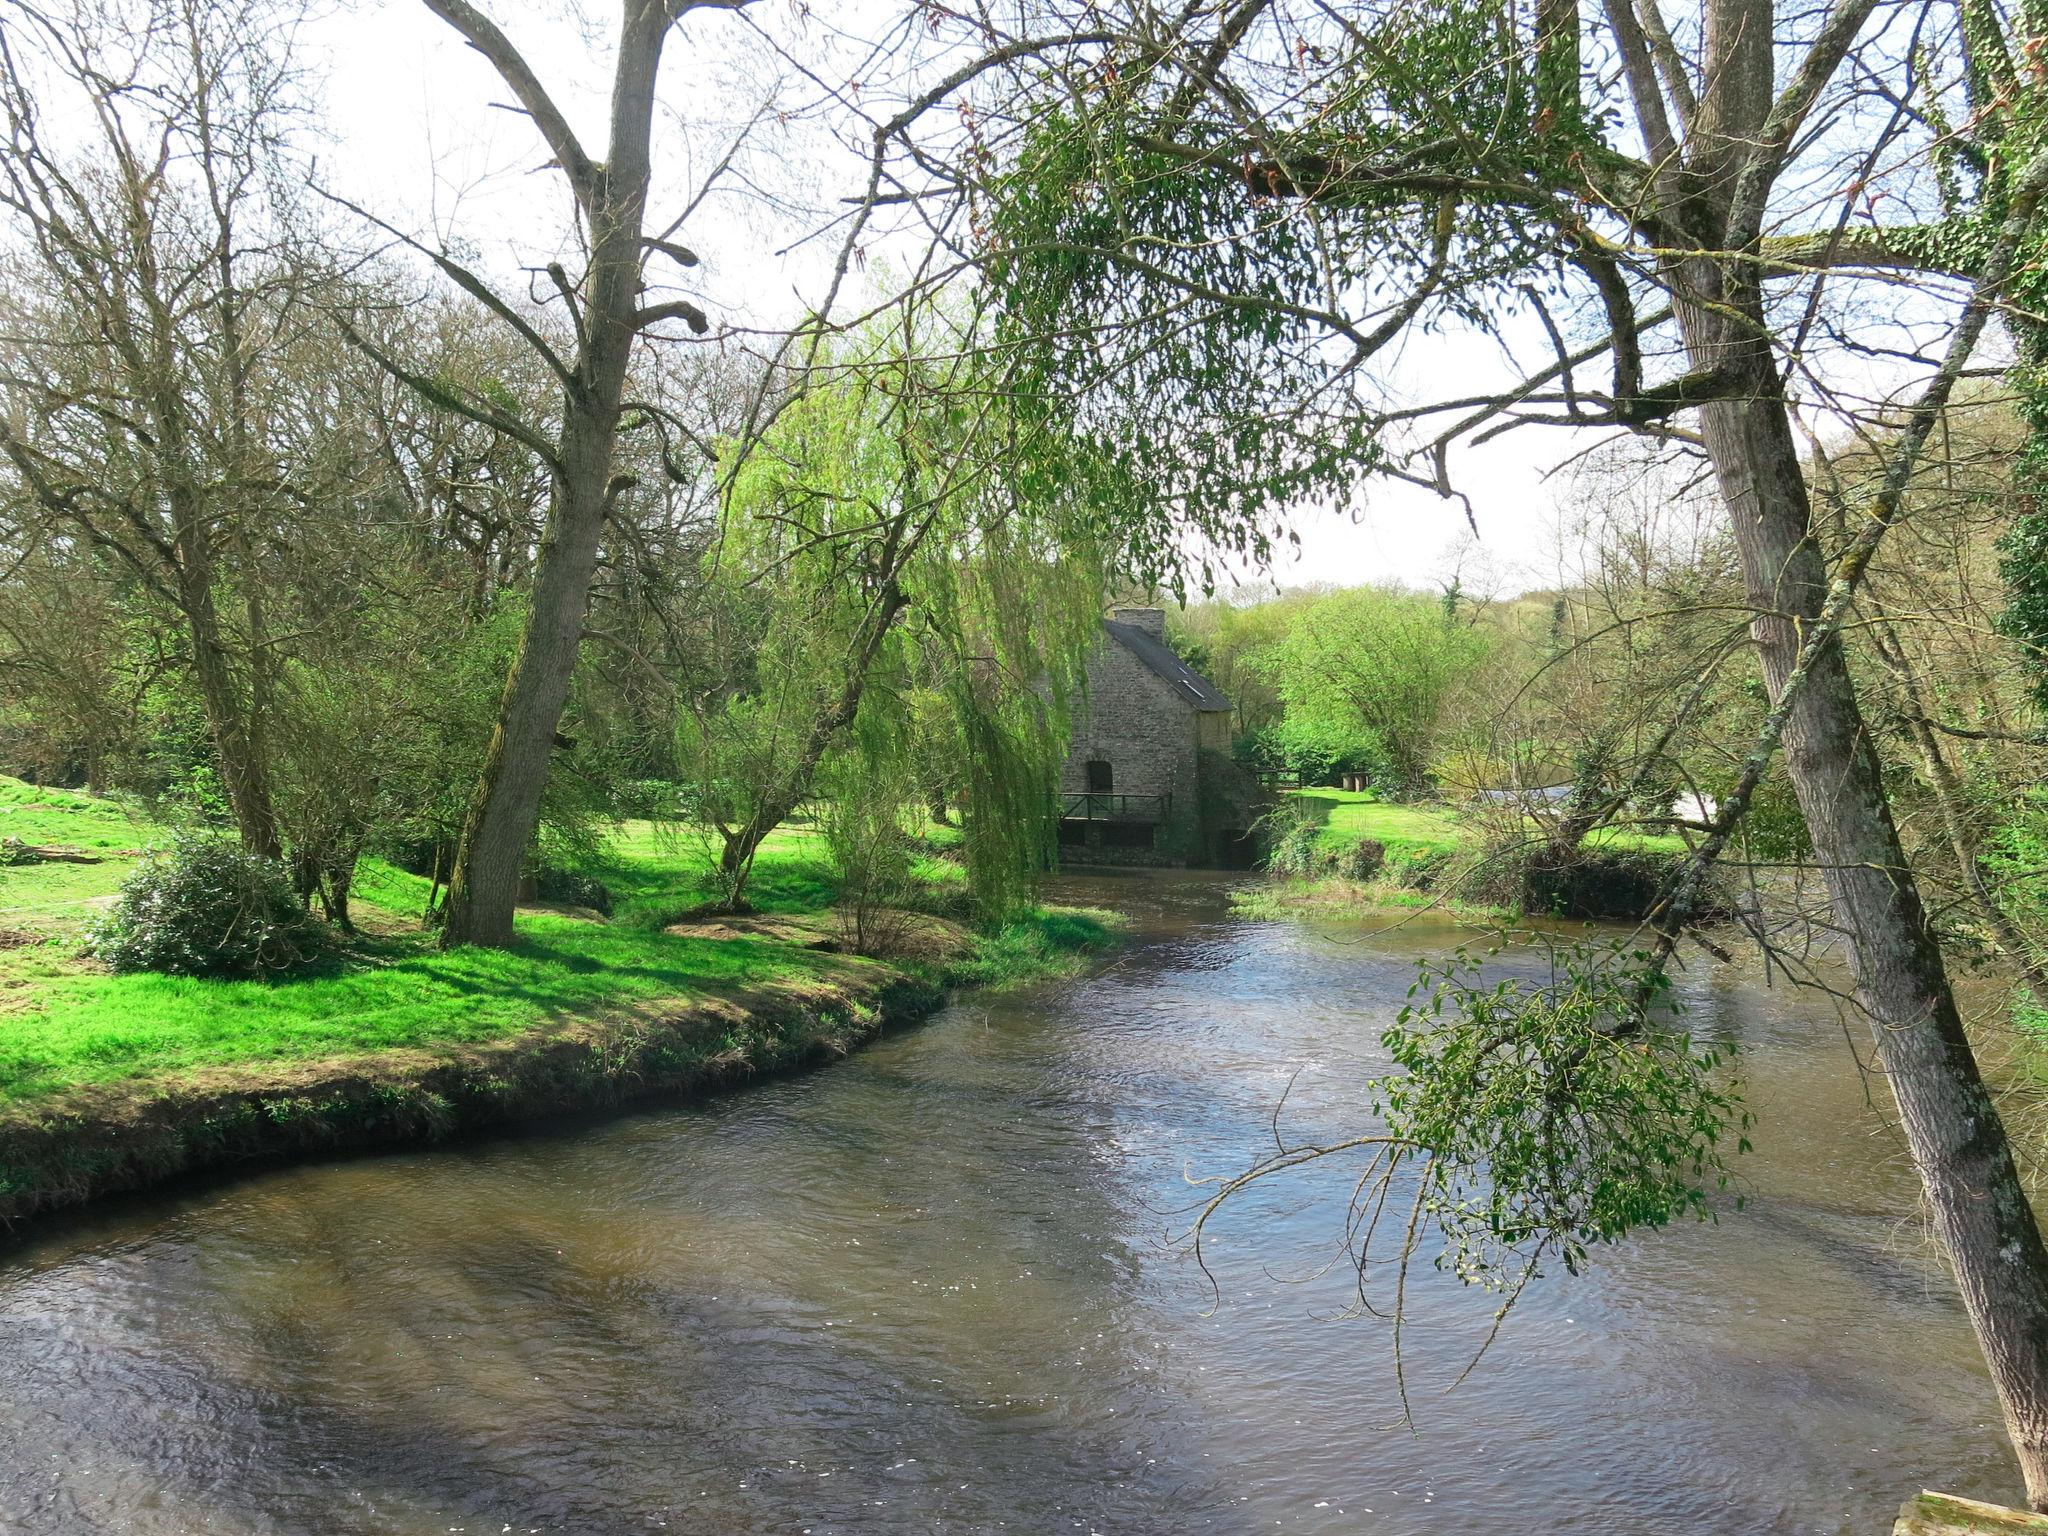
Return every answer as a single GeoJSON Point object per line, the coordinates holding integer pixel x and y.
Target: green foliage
{"type": "Point", "coordinates": [1555, 1116]}
{"type": "Point", "coordinates": [2015, 124]}
{"type": "Point", "coordinates": [2023, 548]}
{"type": "Point", "coordinates": [1301, 849]}
{"type": "Point", "coordinates": [1296, 843]}
{"type": "Point", "coordinates": [1221, 402]}
{"type": "Point", "coordinates": [573, 888]}
{"type": "Point", "coordinates": [207, 907]}
{"type": "Point", "coordinates": [1318, 748]}
{"type": "Point", "coordinates": [2014, 858]}
{"type": "Point", "coordinates": [1773, 829]}
{"type": "Point", "coordinates": [868, 833]}
{"type": "Point", "coordinates": [1033, 944]}
{"type": "Point", "coordinates": [880, 573]}
{"type": "Point", "coordinates": [1374, 673]}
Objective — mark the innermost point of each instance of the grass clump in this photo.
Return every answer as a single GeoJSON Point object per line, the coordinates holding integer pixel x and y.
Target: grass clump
{"type": "Point", "coordinates": [1045, 941]}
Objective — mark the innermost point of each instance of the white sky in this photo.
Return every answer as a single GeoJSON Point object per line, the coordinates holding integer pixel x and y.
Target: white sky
{"type": "Point", "coordinates": [411, 134]}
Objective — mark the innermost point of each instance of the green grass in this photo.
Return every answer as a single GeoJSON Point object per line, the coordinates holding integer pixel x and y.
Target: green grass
{"type": "Point", "coordinates": [67, 1024]}
{"type": "Point", "coordinates": [1351, 815]}
{"type": "Point", "coordinates": [1433, 858]}
{"type": "Point", "coordinates": [86, 1029]}
{"type": "Point", "coordinates": [1045, 942]}
{"type": "Point", "coordinates": [37, 815]}
{"type": "Point", "coordinates": [59, 898]}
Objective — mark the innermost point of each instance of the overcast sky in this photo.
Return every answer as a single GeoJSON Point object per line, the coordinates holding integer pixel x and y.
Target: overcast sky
{"type": "Point", "coordinates": [411, 132]}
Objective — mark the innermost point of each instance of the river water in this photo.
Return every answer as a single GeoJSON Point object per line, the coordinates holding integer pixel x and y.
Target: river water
{"type": "Point", "coordinates": [938, 1288]}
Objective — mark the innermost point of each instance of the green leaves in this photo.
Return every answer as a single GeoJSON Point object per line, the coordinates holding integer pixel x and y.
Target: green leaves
{"type": "Point", "coordinates": [1369, 677]}
{"type": "Point", "coordinates": [1189, 281]}
{"type": "Point", "coordinates": [208, 907]}
{"type": "Point", "coordinates": [1555, 1116]}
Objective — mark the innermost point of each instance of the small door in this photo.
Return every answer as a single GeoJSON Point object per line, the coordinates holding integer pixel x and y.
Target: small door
{"type": "Point", "coordinates": [1100, 780]}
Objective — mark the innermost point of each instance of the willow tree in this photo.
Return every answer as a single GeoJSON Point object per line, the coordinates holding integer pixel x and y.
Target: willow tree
{"type": "Point", "coordinates": [1209, 223]}
{"type": "Point", "coordinates": [871, 539]}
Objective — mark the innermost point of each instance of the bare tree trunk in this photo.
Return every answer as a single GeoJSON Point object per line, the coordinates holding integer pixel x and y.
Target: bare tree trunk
{"type": "Point", "coordinates": [1958, 1143]}
{"type": "Point", "coordinates": [505, 806]}
{"type": "Point", "coordinates": [244, 775]}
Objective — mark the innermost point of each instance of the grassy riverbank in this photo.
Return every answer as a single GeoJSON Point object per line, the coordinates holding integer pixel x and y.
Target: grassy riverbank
{"type": "Point", "coordinates": [1430, 856]}
{"type": "Point", "coordinates": [111, 1081]}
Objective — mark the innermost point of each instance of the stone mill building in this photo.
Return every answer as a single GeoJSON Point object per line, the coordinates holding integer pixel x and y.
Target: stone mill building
{"type": "Point", "coordinates": [1149, 778]}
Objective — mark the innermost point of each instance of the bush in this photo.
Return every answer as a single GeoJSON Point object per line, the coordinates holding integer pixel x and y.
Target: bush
{"type": "Point", "coordinates": [207, 907]}
{"type": "Point", "coordinates": [1362, 860]}
{"type": "Point", "coordinates": [871, 850]}
{"type": "Point", "coordinates": [571, 889]}
{"type": "Point", "coordinates": [1420, 868]}
{"type": "Point", "coordinates": [1294, 847]}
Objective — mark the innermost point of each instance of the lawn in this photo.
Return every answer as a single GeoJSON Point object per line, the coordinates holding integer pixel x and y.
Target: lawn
{"type": "Point", "coordinates": [58, 898]}
{"type": "Point", "coordinates": [1348, 816]}
{"type": "Point", "coordinates": [66, 1023]}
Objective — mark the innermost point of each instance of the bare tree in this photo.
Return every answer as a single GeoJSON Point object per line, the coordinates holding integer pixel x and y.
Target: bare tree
{"type": "Point", "coordinates": [155, 278]}
{"type": "Point", "coordinates": [607, 315]}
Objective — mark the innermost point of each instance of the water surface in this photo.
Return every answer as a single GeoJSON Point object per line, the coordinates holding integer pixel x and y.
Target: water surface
{"type": "Point", "coordinates": [937, 1288]}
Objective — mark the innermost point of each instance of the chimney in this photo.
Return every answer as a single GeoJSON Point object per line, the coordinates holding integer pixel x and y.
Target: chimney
{"type": "Point", "coordinates": [1150, 620]}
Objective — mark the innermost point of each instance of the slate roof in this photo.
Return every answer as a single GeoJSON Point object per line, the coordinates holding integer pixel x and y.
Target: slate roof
{"type": "Point", "coordinates": [1196, 689]}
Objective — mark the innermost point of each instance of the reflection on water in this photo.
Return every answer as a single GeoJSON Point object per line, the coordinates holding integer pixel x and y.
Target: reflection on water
{"type": "Point", "coordinates": [934, 1289]}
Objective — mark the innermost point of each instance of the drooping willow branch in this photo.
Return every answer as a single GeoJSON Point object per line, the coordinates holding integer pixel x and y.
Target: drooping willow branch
{"type": "Point", "coordinates": [1530, 1128]}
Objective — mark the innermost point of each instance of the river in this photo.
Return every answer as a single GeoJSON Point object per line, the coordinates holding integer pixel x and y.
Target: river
{"type": "Point", "coordinates": [937, 1288]}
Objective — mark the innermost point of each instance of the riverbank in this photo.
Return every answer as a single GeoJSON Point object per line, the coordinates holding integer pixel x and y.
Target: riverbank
{"type": "Point", "coordinates": [1351, 854]}
{"type": "Point", "coordinates": [115, 1082]}
{"type": "Point", "coordinates": [948, 1260]}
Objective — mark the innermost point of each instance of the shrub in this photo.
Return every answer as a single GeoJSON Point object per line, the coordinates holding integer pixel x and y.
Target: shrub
{"type": "Point", "coordinates": [1419, 868]}
{"type": "Point", "coordinates": [1362, 860]}
{"type": "Point", "coordinates": [1617, 883]}
{"type": "Point", "coordinates": [871, 849]}
{"type": "Point", "coordinates": [1294, 847]}
{"type": "Point", "coordinates": [207, 907]}
{"type": "Point", "coordinates": [571, 889]}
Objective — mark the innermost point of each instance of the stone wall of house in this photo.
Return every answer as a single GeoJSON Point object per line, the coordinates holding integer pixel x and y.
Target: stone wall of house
{"type": "Point", "coordinates": [1147, 735]}
{"type": "Point", "coordinates": [1233, 809]}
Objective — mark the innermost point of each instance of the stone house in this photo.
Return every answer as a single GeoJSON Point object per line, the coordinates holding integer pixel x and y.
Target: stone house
{"type": "Point", "coordinates": [1149, 778]}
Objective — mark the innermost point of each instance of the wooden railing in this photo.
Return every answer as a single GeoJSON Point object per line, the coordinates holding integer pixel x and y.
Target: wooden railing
{"type": "Point", "coordinates": [1115, 807]}
{"type": "Point", "coordinates": [1279, 778]}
